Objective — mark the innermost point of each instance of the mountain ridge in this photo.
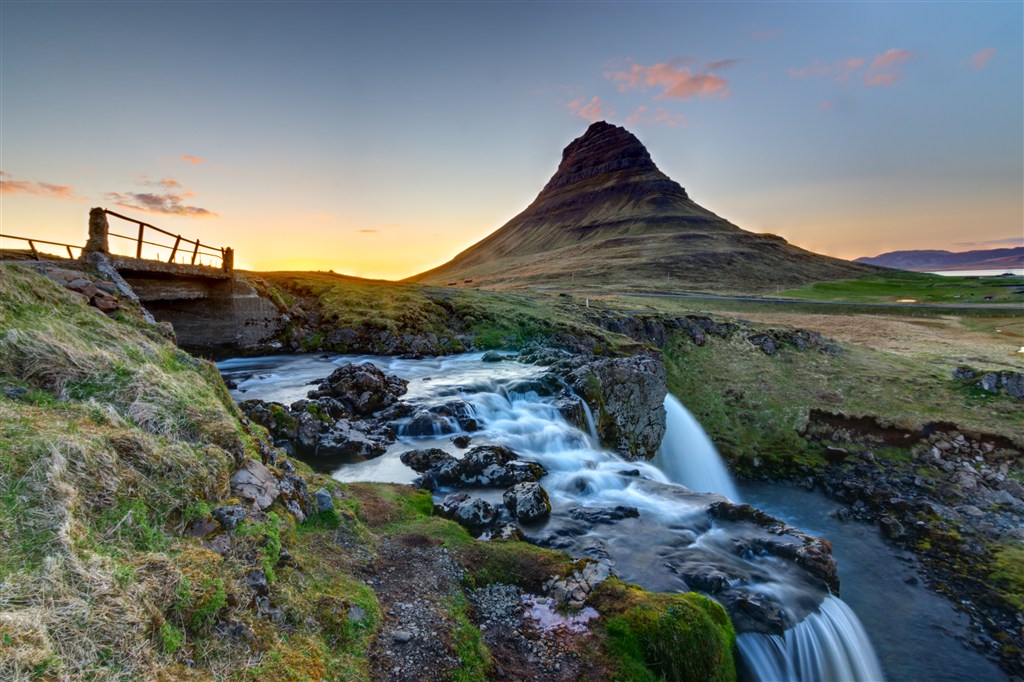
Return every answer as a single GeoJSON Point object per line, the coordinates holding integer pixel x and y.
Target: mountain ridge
{"type": "Point", "coordinates": [924, 260]}
{"type": "Point", "coordinates": [610, 218]}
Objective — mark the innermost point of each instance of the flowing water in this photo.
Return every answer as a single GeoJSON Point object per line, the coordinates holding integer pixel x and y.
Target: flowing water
{"type": "Point", "coordinates": [658, 549]}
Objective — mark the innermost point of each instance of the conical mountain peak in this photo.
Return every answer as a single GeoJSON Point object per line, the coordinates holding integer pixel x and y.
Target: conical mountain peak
{"type": "Point", "coordinates": [608, 218]}
{"type": "Point", "coordinates": [603, 148]}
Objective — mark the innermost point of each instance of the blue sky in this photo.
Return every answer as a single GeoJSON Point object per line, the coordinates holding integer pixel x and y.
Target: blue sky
{"type": "Point", "coordinates": [379, 139]}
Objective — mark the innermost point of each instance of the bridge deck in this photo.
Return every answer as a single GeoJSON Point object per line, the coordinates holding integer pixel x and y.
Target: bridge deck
{"type": "Point", "coordinates": [126, 265]}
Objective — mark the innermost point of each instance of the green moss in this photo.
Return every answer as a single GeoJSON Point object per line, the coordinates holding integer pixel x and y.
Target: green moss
{"type": "Point", "coordinates": [129, 523]}
{"type": "Point", "coordinates": [171, 638]}
{"type": "Point", "coordinates": [673, 637]}
{"type": "Point", "coordinates": [268, 533]}
{"type": "Point", "coordinates": [475, 659]}
{"type": "Point", "coordinates": [1008, 573]}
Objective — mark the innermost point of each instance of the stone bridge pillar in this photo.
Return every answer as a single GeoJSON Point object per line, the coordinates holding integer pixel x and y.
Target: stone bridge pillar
{"type": "Point", "coordinates": [98, 230]}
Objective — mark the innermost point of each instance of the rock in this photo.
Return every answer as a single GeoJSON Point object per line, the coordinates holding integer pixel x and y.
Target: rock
{"type": "Point", "coordinates": [356, 614]}
{"type": "Point", "coordinates": [607, 515]}
{"type": "Point", "coordinates": [892, 528]}
{"type": "Point", "coordinates": [626, 396]}
{"type": "Point", "coordinates": [229, 516]}
{"type": "Point", "coordinates": [492, 356]}
{"type": "Point", "coordinates": [255, 483]}
{"type": "Point", "coordinates": [765, 342]}
{"type": "Point", "coordinates": [220, 544]}
{"type": "Point", "coordinates": [322, 501]}
{"type": "Point", "coordinates": [15, 392]}
{"type": "Point", "coordinates": [988, 383]}
{"type": "Point", "coordinates": [1013, 384]}
{"type": "Point", "coordinates": [256, 581]}
{"type": "Point", "coordinates": [528, 502]}
{"type": "Point", "coordinates": [362, 389]}
{"type": "Point", "coordinates": [234, 629]}
{"type": "Point", "coordinates": [461, 441]}
{"type": "Point", "coordinates": [475, 515]}
{"type": "Point", "coordinates": [963, 373]}
{"type": "Point", "coordinates": [351, 439]}
{"type": "Point", "coordinates": [402, 636]}
{"type": "Point", "coordinates": [200, 528]}
{"type": "Point", "coordinates": [295, 496]}
{"type": "Point", "coordinates": [104, 302]}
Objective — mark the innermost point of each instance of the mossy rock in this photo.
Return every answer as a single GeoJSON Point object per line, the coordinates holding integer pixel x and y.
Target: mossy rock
{"type": "Point", "coordinates": [672, 637]}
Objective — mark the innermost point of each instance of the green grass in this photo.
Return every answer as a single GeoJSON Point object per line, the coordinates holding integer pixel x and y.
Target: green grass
{"type": "Point", "coordinates": [474, 657]}
{"type": "Point", "coordinates": [891, 287]}
{"type": "Point", "coordinates": [1008, 573]}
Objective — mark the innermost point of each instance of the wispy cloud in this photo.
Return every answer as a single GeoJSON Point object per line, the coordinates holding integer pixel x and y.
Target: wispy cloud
{"type": "Point", "coordinates": [167, 203]}
{"type": "Point", "coordinates": [884, 69]}
{"type": "Point", "coordinates": [840, 70]}
{"type": "Point", "coordinates": [826, 104]}
{"type": "Point", "coordinates": [594, 110]}
{"type": "Point", "coordinates": [368, 231]}
{"type": "Point", "coordinates": [9, 185]}
{"type": "Point", "coordinates": [1006, 241]}
{"type": "Point", "coordinates": [171, 200]}
{"type": "Point", "coordinates": [644, 115]}
{"type": "Point", "coordinates": [677, 78]}
{"type": "Point", "coordinates": [979, 60]}
{"type": "Point", "coordinates": [192, 159]}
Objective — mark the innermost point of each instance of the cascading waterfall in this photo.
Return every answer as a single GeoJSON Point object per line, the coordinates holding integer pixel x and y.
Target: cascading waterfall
{"type": "Point", "coordinates": [831, 643]}
{"type": "Point", "coordinates": [673, 527]}
{"type": "Point", "coordinates": [688, 457]}
{"type": "Point", "coordinates": [828, 645]}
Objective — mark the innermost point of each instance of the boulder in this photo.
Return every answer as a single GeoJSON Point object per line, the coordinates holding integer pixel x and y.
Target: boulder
{"type": "Point", "coordinates": [361, 389]}
{"type": "Point", "coordinates": [229, 516]}
{"type": "Point", "coordinates": [528, 502]}
{"type": "Point", "coordinates": [322, 501]}
{"type": "Point", "coordinates": [626, 396]}
{"type": "Point", "coordinates": [472, 513]}
{"type": "Point", "coordinates": [254, 482]}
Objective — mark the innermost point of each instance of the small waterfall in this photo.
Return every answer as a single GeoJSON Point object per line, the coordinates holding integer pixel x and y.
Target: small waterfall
{"type": "Point", "coordinates": [591, 424]}
{"type": "Point", "coordinates": [688, 457]}
{"type": "Point", "coordinates": [828, 645]}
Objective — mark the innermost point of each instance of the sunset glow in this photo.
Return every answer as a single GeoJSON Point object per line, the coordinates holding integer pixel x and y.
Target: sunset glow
{"type": "Point", "coordinates": [379, 141]}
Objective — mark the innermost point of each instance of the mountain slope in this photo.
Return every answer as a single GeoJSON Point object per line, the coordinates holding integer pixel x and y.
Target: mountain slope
{"type": "Point", "coordinates": [927, 260]}
{"type": "Point", "coordinates": [609, 218]}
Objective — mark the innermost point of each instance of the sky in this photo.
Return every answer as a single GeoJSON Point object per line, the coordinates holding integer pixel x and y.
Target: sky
{"type": "Point", "coordinates": [380, 139]}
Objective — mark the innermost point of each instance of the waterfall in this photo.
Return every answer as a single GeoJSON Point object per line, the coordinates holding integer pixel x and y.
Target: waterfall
{"type": "Point", "coordinates": [828, 645]}
{"type": "Point", "coordinates": [688, 457]}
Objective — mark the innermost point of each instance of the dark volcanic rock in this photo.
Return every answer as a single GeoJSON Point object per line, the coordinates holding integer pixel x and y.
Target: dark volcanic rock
{"type": "Point", "coordinates": [528, 502]}
{"type": "Point", "coordinates": [486, 465]}
{"type": "Point", "coordinates": [361, 389]}
{"type": "Point", "coordinates": [626, 396]}
{"type": "Point", "coordinates": [475, 515]}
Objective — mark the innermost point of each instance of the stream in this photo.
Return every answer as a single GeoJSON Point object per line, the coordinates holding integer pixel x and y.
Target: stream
{"type": "Point", "coordinates": [914, 630]}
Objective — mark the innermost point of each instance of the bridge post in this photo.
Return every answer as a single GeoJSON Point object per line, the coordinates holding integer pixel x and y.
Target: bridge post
{"type": "Point", "coordinates": [98, 230]}
{"type": "Point", "coordinates": [228, 259]}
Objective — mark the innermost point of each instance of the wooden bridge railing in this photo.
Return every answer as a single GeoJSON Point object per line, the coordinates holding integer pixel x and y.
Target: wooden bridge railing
{"type": "Point", "coordinates": [33, 241]}
{"type": "Point", "coordinates": [187, 248]}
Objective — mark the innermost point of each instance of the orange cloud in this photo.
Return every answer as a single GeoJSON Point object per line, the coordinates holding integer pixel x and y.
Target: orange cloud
{"type": "Point", "coordinates": [980, 58]}
{"type": "Point", "coordinates": [827, 104]}
{"type": "Point", "coordinates": [674, 78]}
{"type": "Point", "coordinates": [165, 201]}
{"type": "Point", "coordinates": [192, 159]}
{"type": "Point", "coordinates": [8, 185]}
{"type": "Point", "coordinates": [591, 111]}
{"type": "Point", "coordinates": [660, 116]}
{"type": "Point", "coordinates": [884, 68]}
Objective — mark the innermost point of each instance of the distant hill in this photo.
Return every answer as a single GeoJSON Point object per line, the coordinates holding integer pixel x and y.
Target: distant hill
{"type": "Point", "coordinates": [932, 260]}
{"type": "Point", "coordinates": [610, 219]}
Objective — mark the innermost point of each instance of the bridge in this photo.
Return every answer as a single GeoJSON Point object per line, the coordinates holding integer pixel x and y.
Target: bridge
{"type": "Point", "coordinates": [179, 280]}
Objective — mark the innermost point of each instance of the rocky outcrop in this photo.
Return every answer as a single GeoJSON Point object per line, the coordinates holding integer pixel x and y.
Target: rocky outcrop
{"type": "Point", "coordinates": [361, 390]}
{"type": "Point", "coordinates": [996, 382]}
{"type": "Point", "coordinates": [338, 418]}
{"type": "Point", "coordinates": [489, 466]}
{"type": "Point", "coordinates": [472, 513]}
{"type": "Point", "coordinates": [626, 396]}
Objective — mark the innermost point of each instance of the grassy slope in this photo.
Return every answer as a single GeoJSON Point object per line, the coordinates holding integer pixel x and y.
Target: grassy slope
{"type": "Point", "coordinates": [892, 286]}
{"type": "Point", "coordinates": [112, 440]}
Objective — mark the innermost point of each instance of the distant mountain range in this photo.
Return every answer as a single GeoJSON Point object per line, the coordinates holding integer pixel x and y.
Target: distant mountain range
{"type": "Point", "coordinates": [933, 260]}
{"type": "Point", "coordinates": [609, 219]}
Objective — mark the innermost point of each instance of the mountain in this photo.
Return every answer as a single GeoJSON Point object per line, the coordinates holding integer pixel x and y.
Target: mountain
{"type": "Point", "coordinates": [932, 260]}
{"type": "Point", "coordinates": [609, 219]}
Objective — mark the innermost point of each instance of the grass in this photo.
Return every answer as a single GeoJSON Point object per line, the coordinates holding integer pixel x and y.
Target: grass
{"type": "Point", "coordinates": [898, 285]}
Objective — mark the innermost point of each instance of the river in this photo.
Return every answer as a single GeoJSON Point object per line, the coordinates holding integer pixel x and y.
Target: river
{"type": "Point", "coordinates": [673, 527]}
